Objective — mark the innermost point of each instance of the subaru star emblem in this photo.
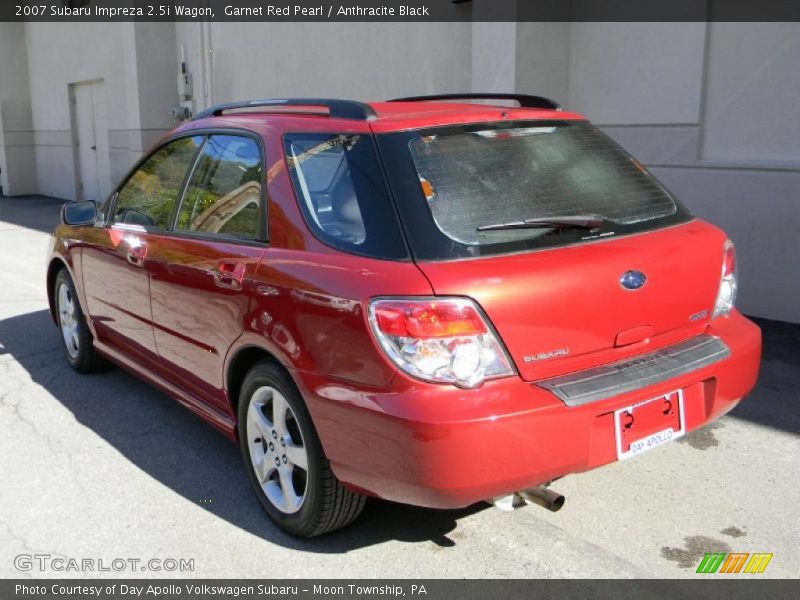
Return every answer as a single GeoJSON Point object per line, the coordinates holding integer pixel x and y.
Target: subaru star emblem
{"type": "Point", "coordinates": [632, 280]}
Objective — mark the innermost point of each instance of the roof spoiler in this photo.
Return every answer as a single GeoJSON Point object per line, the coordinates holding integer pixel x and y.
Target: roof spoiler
{"type": "Point", "coordinates": [524, 100]}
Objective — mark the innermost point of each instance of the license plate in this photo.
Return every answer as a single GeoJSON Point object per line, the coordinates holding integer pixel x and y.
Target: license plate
{"type": "Point", "coordinates": [645, 425]}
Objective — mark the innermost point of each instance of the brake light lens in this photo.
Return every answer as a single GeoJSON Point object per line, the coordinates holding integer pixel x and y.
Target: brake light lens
{"type": "Point", "coordinates": [726, 295]}
{"type": "Point", "coordinates": [441, 340]}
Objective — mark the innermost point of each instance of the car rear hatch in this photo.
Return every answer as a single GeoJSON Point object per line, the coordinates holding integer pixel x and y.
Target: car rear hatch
{"type": "Point", "coordinates": [565, 309]}
{"type": "Point", "coordinates": [576, 253]}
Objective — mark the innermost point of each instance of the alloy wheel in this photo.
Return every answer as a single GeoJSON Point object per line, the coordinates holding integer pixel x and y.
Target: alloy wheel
{"type": "Point", "coordinates": [277, 451]}
{"type": "Point", "coordinates": [68, 320]}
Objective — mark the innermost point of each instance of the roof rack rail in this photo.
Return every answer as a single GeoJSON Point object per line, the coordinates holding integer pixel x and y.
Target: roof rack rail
{"type": "Point", "coordinates": [343, 109]}
{"type": "Point", "coordinates": [525, 101]}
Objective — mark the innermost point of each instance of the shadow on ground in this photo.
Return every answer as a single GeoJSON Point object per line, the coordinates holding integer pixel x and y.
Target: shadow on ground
{"type": "Point", "coordinates": [188, 456]}
{"type": "Point", "coordinates": [34, 212]}
{"type": "Point", "coordinates": [773, 402]}
{"type": "Point", "coordinates": [191, 458]}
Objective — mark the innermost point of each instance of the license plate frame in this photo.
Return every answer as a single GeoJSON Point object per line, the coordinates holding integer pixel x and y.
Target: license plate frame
{"type": "Point", "coordinates": [654, 438]}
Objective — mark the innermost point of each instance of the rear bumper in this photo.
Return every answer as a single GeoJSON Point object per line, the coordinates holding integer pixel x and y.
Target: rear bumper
{"type": "Point", "coordinates": [444, 447]}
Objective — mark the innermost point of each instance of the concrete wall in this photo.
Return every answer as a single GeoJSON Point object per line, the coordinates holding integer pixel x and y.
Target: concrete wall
{"type": "Point", "coordinates": [711, 108]}
{"type": "Point", "coordinates": [135, 62]}
{"type": "Point", "coordinates": [543, 63]}
{"type": "Point", "coordinates": [637, 73]}
{"type": "Point", "coordinates": [346, 60]}
{"type": "Point", "coordinates": [758, 209]}
{"type": "Point", "coordinates": [57, 58]}
{"type": "Point", "coordinates": [17, 157]}
{"type": "Point", "coordinates": [751, 107]}
{"type": "Point", "coordinates": [138, 65]}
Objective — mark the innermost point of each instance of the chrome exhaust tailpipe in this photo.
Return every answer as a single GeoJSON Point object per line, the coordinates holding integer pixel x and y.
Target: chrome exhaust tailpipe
{"type": "Point", "coordinates": [541, 495]}
{"type": "Point", "coordinates": [545, 497]}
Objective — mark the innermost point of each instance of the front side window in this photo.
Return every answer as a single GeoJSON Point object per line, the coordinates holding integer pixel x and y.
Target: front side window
{"type": "Point", "coordinates": [224, 193]}
{"type": "Point", "coordinates": [149, 196]}
{"type": "Point", "coordinates": [342, 193]}
{"type": "Point", "coordinates": [496, 187]}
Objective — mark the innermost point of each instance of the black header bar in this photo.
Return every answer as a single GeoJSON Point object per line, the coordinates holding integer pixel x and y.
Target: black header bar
{"type": "Point", "coordinates": [697, 588]}
{"type": "Point", "coordinates": [400, 11]}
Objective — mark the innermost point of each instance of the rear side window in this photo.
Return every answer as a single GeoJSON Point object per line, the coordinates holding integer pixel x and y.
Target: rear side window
{"type": "Point", "coordinates": [224, 193]}
{"type": "Point", "coordinates": [149, 196]}
{"type": "Point", "coordinates": [342, 193]}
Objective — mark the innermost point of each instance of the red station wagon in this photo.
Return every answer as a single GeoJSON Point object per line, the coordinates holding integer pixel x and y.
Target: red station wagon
{"type": "Point", "coordinates": [428, 300]}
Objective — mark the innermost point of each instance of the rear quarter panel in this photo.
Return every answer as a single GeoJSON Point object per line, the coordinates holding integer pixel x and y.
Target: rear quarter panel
{"type": "Point", "coordinates": [309, 309]}
{"type": "Point", "coordinates": [308, 298]}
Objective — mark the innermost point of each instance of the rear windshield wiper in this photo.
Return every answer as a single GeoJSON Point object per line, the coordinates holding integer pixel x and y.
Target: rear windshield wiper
{"type": "Point", "coordinates": [566, 222]}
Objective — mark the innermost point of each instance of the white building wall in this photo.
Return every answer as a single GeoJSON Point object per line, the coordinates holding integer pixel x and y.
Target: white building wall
{"type": "Point", "coordinates": [57, 57]}
{"type": "Point", "coordinates": [711, 108]}
{"type": "Point", "coordinates": [759, 210]}
{"type": "Point", "coordinates": [543, 59]}
{"type": "Point", "coordinates": [132, 60]}
{"type": "Point", "coordinates": [637, 73]}
{"type": "Point", "coordinates": [344, 60]}
{"type": "Point", "coordinates": [494, 65]}
{"type": "Point", "coordinates": [751, 109]}
{"type": "Point", "coordinates": [17, 157]}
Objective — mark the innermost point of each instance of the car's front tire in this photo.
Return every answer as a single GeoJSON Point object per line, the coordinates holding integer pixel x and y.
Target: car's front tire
{"type": "Point", "coordinates": [284, 458]}
{"type": "Point", "coordinates": [76, 337]}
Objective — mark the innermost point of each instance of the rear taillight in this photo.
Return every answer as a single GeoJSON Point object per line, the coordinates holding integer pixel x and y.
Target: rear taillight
{"type": "Point", "coordinates": [442, 340]}
{"type": "Point", "coordinates": [726, 295]}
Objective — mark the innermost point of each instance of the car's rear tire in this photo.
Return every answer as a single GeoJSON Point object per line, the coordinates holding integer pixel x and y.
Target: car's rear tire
{"type": "Point", "coordinates": [284, 458]}
{"type": "Point", "coordinates": [76, 337]}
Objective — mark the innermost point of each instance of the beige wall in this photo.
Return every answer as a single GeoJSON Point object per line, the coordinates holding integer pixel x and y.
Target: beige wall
{"type": "Point", "coordinates": [54, 53]}
{"type": "Point", "coordinates": [543, 63]}
{"type": "Point", "coordinates": [751, 109]}
{"type": "Point", "coordinates": [347, 60]}
{"type": "Point", "coordinates": [711, 108]}
{"type": "Point", "coordinates": [636, 73]}
{"type": "Point", "coordinates": [136, 64]}
{"type": "Point", "coordinates": [17, 156]}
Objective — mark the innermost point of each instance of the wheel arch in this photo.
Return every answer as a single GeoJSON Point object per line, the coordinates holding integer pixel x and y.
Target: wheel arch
{"type": "Point", "coordinates": [242, 360]}
{"type": "Point", "coordinates": [56, 265]}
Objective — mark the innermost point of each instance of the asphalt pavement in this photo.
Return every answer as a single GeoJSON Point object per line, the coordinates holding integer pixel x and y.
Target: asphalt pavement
{"type": "Point", "coordinates": [104, 467]}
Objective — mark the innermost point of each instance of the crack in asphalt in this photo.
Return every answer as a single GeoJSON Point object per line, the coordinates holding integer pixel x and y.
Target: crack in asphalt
{"type": "Point", "coordinates": [27, 548]}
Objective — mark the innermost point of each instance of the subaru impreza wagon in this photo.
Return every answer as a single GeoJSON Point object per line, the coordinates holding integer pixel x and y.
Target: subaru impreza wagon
{"type": "Point", "coordinates": [428, 300]}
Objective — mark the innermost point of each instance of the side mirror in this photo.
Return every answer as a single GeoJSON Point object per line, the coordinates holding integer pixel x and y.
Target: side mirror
{"type": "Point", "coordinates": [83, 212]}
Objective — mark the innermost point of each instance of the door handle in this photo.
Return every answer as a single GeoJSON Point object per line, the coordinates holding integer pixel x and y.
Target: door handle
{"type": "Point", "coordinates": [230, 275]}
{"type": "Point", "coordinates": [137, 252]}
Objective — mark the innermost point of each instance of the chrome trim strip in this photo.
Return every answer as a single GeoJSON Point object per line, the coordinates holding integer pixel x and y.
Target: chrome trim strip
{"type": "Point", "coordinates": [638, 372]}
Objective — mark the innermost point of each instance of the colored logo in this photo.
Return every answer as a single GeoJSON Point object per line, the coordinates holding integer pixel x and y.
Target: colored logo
{"type": "Point", "coordinates": [632, 280]}
{"type": "Point", "coordinates": [734, 562]}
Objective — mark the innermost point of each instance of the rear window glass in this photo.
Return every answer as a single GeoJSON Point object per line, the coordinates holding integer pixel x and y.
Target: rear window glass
{"type": "Point", "coordinates": [489, 176]}
{"type": "Point", "coordinates": [342, 193]}
{"type": "Point", "coordinates": [462, 190]}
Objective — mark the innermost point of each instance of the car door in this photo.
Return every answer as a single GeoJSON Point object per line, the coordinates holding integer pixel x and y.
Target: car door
{"type": "Point", "coordinates": [115, 258]}
{"type": "Point", "coordinates": [200, 272]}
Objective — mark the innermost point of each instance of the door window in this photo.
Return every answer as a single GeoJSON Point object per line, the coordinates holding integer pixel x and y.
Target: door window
{"type": "Point", "coordinates": [224, 192]}
{"type": "Point", "coordinates": [150, 194]}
